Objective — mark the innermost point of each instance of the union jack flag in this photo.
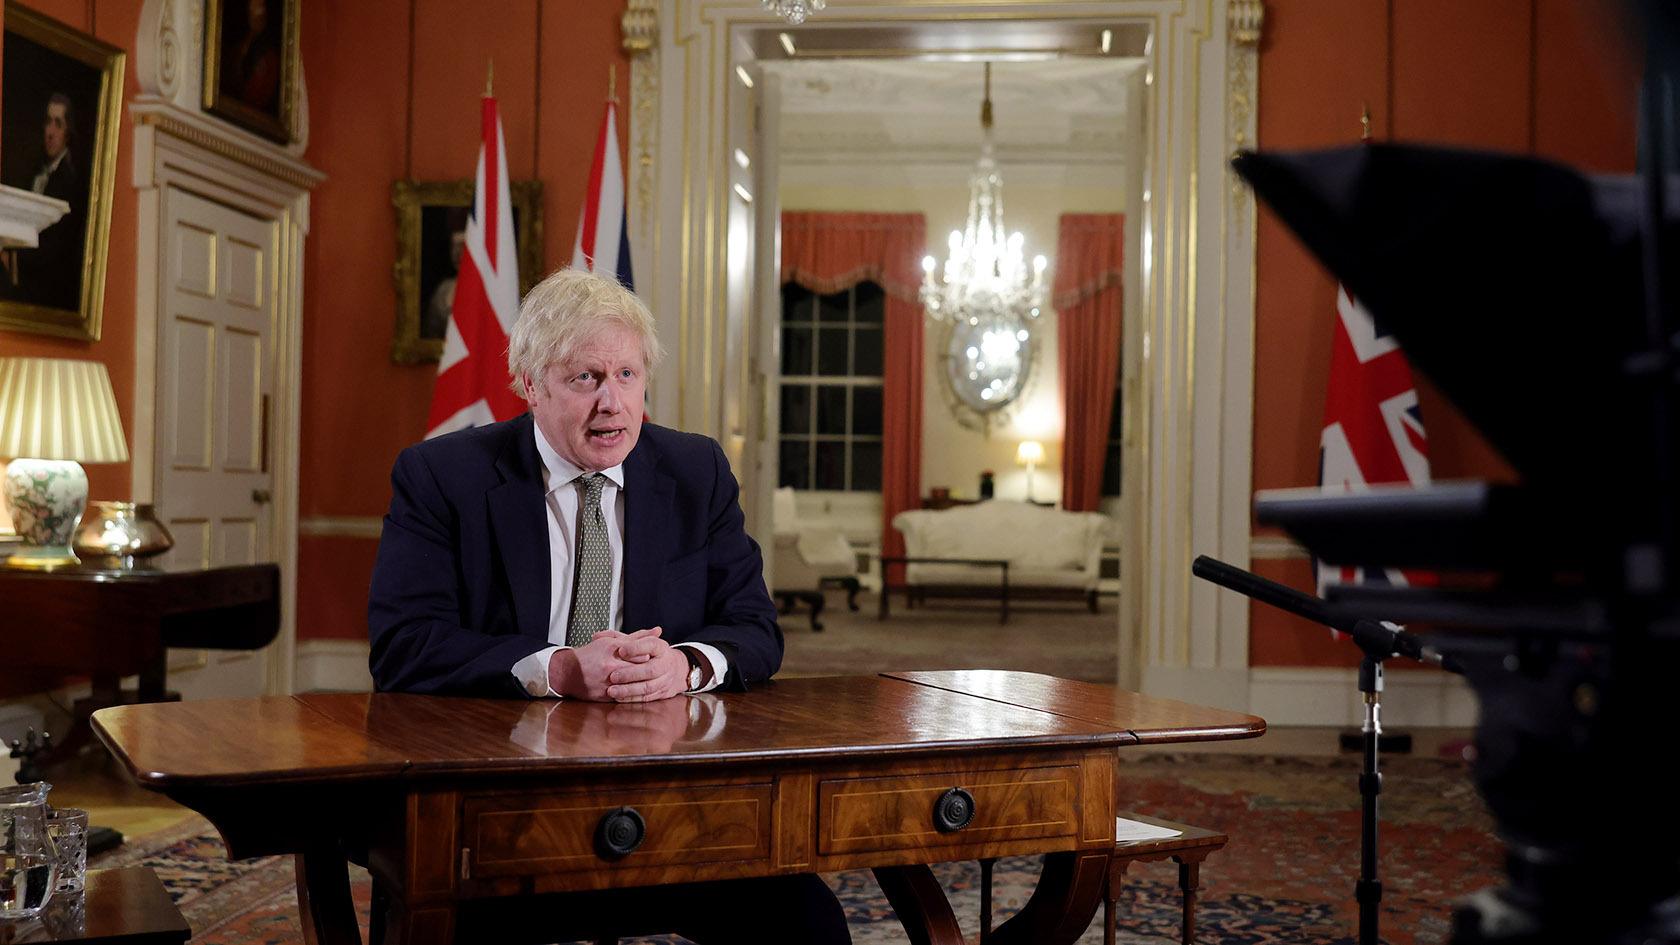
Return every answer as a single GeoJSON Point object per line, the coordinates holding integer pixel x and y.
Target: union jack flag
{"type": "Point", "coordinates": [603, 236]}
{"type": "Point", "coordinates": [472, 384]}
{"type": "Point", "coordinates": [1373, 430]}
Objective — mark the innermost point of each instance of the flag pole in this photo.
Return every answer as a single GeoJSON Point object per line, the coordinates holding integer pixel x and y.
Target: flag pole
{"type": "Point", "coordinates": [489, 78]}
{"type": "Point", "coordinates": [612, 83]}
{"type": "Point", "coordinates": [1364, 123]}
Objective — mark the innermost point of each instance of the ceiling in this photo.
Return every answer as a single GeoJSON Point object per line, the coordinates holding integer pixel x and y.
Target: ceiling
{"type": "Point", "coordinates": [1054, 113]}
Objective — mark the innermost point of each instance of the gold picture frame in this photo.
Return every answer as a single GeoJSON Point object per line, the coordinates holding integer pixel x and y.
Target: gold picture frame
{"type": "Point", "coordinates": [430, 214]}
{"type": "Point", "coordinates": [61, 101]}
{"type": "Point", "coordinates": [251, 69]}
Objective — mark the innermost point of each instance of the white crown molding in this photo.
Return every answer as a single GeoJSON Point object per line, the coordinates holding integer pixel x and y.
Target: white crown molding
{"type": "Point", "coordinates": [24, 214]}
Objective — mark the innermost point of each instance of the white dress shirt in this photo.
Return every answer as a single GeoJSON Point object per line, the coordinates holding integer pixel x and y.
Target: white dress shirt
{"type": "Point", "coordinates": [564, 496]}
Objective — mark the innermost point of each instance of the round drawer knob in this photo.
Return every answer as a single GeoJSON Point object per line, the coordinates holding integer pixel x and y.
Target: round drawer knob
{"type": "Point", "coordinates": [953, 810]}
{"type": "Point", "coordinates": [621, 831]}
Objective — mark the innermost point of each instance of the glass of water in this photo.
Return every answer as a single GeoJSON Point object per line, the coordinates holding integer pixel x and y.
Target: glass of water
{"type": "Point", "coordinates": [68, 828]}
{"type": "Point", "coordinates": [27, 865]}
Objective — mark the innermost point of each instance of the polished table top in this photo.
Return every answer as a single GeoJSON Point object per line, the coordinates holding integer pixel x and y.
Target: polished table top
{"type": "Point", "coordinates": [334, 737]}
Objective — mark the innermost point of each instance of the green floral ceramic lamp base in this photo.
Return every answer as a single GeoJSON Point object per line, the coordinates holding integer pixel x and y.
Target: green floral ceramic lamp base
{"type": "Point", "coordinates": [46, 498]}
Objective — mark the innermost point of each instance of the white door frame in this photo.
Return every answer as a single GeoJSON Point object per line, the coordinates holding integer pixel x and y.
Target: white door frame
{"type": "Point", "coordinates": [1188, 362]}
{"type": "Point", "coordinates": [177, 146]}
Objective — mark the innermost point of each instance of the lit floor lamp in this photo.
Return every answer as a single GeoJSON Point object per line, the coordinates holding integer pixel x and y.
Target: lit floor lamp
{"type": "Point", "coordinates": [55, 414]}
{"type": "Point", "coordinates": [1029, 454]}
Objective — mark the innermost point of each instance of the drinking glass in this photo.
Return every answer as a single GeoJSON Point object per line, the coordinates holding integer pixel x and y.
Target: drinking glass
{"type": "Point", "coordinates": [67, 826]}
{"type": "Point", "coordinates": [27, 865]}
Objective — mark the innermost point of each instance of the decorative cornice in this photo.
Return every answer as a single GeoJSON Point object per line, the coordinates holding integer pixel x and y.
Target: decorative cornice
{"type": "Point", "coordinates": [1245, 18]}
{"type": "Point", "coordinates": [226, 142]}
{"type": "Point", "coordinates": [640, 24]}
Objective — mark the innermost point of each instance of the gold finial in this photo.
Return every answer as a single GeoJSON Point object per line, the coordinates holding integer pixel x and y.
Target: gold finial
{"type": "Point", "coordinates": [1364, 121]}
{"type": "Point", "coordinates": [986, 104]}
{"type": "Point", "coordinates": [612, 82]}
{"type": "Point", "coordinates": [490, 79]}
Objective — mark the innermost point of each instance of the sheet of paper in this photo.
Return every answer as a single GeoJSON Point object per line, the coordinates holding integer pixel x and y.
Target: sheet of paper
{"type": "Point", "coordinates": [1132, 830]}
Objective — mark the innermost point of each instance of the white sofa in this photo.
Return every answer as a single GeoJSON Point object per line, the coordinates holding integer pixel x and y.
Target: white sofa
{"type": "Point", "coordinates": [1050, 552]}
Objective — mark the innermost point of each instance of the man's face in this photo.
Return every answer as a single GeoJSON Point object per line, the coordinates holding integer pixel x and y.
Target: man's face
{"type": "Point", "coordinates": [589, 407]}
{"type": "Point", "coordinates": [55, 130]}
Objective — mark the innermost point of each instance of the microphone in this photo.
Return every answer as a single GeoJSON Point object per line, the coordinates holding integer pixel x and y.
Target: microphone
{"type": "Point", "coordinates": [1379, 638]}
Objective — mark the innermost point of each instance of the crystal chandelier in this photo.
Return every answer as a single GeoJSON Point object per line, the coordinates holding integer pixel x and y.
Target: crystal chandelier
{"type": "Point", "coordinates": [985, 280]}
{"type": "Point", "coordinates": [794, 11]}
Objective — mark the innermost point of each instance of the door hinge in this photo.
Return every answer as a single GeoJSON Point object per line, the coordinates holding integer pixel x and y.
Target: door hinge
{"type": "Point", "coordinates": [466, 862]}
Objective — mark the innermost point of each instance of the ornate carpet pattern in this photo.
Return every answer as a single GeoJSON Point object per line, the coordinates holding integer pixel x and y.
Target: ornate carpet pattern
{"type": "Point", "coordinates": [1286, 877]}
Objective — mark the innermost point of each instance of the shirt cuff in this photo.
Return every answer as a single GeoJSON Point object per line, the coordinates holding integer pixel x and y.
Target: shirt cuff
{"type": "Point", "coordinates": [714, 658]}
{"type": "Point", "coordinates": [532, 673]}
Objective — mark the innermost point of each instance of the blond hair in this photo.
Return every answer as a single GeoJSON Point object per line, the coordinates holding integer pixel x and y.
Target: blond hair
{"type": "Point", "coordinates": [568, 307]}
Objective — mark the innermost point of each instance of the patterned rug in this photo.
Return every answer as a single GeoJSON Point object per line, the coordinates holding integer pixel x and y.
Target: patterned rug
{"type": "Point", "coordinates": [1287, 875]}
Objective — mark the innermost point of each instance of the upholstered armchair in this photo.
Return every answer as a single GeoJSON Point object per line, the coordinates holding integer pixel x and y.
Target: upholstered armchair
{"type": "Point", "coordinates": [809, 558]}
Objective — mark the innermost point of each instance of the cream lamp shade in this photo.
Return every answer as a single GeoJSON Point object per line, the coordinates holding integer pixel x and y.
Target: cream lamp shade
{"type": "Point", "coordinates": [1029, 453]}
{"type": "Point", "coordinates": [55, 414]}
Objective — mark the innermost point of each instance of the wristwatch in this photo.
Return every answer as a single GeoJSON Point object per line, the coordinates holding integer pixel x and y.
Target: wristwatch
{"type": "Point", "coordinates": [696, 662]}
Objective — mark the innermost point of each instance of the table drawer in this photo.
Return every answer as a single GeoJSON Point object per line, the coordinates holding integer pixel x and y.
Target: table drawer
{"type": "Point", "coordinates": [529, 834]}
{"type": "Point", "coordinates": [858, 814]}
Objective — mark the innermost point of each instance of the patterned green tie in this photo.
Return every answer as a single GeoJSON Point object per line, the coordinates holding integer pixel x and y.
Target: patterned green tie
{"type": "Point", "coordinates": [592, 579]}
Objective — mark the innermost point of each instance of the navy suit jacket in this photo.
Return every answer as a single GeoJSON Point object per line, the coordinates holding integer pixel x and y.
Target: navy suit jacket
{"type": "Point", "coordinates": [461, 587]}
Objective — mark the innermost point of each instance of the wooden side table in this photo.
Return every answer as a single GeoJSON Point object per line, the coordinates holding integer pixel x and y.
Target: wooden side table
{"type": "Point", "coordinates": [119, 907]}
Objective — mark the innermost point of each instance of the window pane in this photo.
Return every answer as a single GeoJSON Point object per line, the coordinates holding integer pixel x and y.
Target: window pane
{"type": "Point", "coordinates": [866, 411]}
{"type": "Point", "coordinates": [831, 410]}
{"type": "Point", "coordinates": [831, 464]}
{"type": "Point", "coordinates": [866, 466]}
{"type": "Point", "coordinates": [796, 351]}
{"type": "Point", "coordinates": [831, 352]}
{"type": "Point", "coordinates": [836, 307]}
{"type": "Point", "coordinates": [871, 303]}
{"type": "Point", "coordinates": [868, 363]}
{"type": "Point", "coordinates": [1111, 472]}
{"type": "Point", "coordinates": [796, 302]}
{"type": "Point", "coordinates": [796, 463]}
{"type": "Point", "coordinates": [796, 408]}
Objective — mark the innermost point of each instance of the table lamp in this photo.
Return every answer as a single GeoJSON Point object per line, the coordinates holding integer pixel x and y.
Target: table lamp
{"type": "Point", "coordinates": [1029, 454]}
{"type": "Point", "coordinates": [55, 414]}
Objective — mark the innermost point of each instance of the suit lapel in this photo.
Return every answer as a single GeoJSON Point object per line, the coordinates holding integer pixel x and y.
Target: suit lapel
{"type": "Point", "coordinates": [648, 496]}
{"type": "Point", "coordinates": [520, 520]}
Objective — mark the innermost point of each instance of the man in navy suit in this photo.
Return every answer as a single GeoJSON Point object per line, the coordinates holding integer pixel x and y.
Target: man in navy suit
{"type": "Point", "coordinates": [576, 552]}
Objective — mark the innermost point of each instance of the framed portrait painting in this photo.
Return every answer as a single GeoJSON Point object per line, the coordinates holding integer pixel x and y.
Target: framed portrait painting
{"type": "Point", "coordinates": [60, 98]}
{"type": "Point", "coordinates": [251, 64]}
{"type": "Point", "coordinates": [431, 236]}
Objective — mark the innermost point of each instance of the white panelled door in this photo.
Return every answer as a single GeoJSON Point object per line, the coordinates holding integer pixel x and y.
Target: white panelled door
{"type": "Point", "coordinates": [215, 361]}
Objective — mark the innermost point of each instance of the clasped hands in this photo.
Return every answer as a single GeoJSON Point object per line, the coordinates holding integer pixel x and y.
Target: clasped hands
{"type": "Point", "coordinates": [620, 667]}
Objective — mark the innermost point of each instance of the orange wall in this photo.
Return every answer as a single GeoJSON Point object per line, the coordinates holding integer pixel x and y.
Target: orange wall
{"type": "Point", "coordinates": [1529, 76]}
{"type": "Point", "coordinates": [394, 90]}
{"type": "Point", "coordinates": [114, 22]}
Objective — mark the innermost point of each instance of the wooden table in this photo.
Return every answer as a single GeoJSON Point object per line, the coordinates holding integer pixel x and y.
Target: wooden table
{"type": "Point", "coordinates": [1003, 580]}
{"type": "Point", "coordinates": [126, 906]}
{"type": "Point", "coordinates": [107, 624]}
{"type": "Point", "coordinates": [457, 801]}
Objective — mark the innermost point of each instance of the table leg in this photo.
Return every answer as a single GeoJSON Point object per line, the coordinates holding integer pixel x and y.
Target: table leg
{"type": "Point", "coordinates": [920, 903]}
{"type": "Point", "coordinates": [1189, 880]}
{"type": "Point", "coordinates": [323, 891]}
{"type": "Point", "coordinates": [886, 591]}
{"type": "Point", "coordinates": [986, 900]}
{"type": "Point", "coordinates": [1069, 890]}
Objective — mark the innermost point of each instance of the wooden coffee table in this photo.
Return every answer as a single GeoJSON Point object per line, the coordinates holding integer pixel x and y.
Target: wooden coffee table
{"type": "Point", "coordinates": [999, 563]}
{"type": "Point", "coordinates": [455, 801]}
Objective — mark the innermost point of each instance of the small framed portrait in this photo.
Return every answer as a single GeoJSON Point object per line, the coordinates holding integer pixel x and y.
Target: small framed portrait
{"type": "Point", "coordinates": [251, 64]}
{"type": "Point", "coordinates": [431, 236]}
{"type": "Point", "coordinates": [60, 98]}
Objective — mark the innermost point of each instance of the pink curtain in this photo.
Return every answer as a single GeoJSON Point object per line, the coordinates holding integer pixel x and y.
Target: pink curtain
{"type": "Point", "coordinates": [1088, 298]}
{"type": "Point", "coordinates": [830, 252]}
